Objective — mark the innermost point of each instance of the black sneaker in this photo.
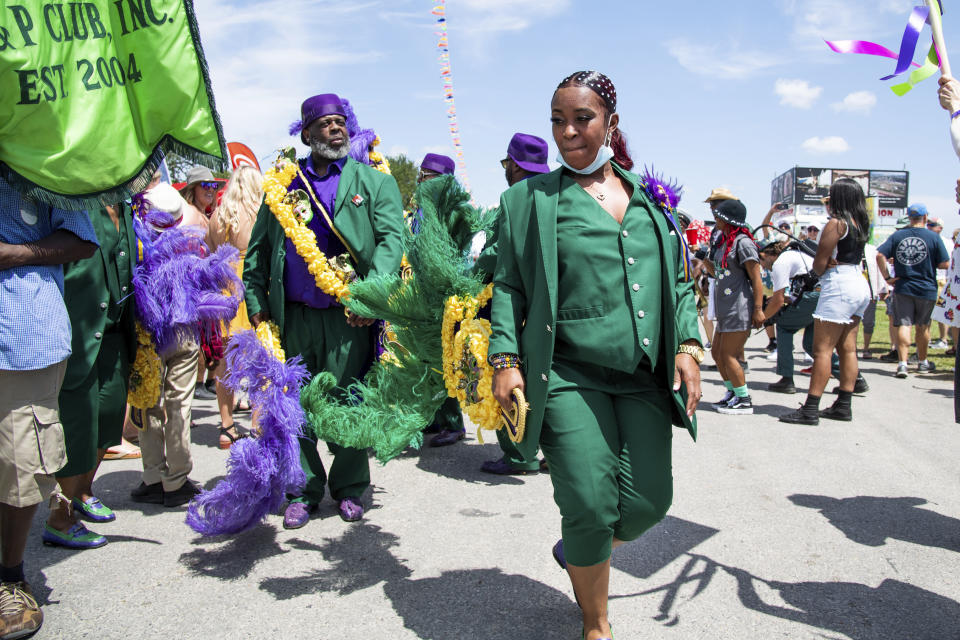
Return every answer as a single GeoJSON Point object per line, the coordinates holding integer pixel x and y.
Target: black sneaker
{"type": "Point", "coordinates": [926, 367]}
{"type": "Point", "coordinates": [148, 493]}
{"type": "Point", "coordinates": [891, 356]}
{"type": "Point", "coordinates": [837, 413]}
{"type": "Point", "coordinates": [181, 496]}
{"type": "Point", "coordinates": [771, 346]}
{"type": "Point", "coordinates": [802, 416]}
{"type": "Point", "coordinates": [200, 392]}
{"type": "Point", "coordinates": [725, 400]}
{"type": "Point", "coordinates": [860, 387]}
{"type": "Point", "coordinates": [740, 405]}
{"type": "Point", "coordinates": [783, 385]}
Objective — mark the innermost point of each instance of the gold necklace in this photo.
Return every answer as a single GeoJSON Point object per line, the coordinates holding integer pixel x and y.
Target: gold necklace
{"type": "Point", "coordinates": [596, 194]}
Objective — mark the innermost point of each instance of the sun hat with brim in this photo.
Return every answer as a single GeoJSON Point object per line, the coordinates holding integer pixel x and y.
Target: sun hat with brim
{"type": "Point", "coordinates": [720, 194]}
{"type": "Point", "coordinates": [165, 201]}
{"type": "Point", "coordinates": [199, 174]}
{"type": "Point", "coordinates": [917, 210]}
{"type": "Point", "coordinates": [732, 212]}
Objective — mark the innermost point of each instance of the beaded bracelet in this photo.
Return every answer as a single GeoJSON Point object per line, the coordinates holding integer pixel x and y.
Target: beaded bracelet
{"type": "Point", "coordinates": [504, 361]}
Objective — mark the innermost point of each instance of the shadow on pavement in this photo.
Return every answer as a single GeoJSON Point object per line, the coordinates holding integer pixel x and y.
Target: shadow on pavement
{"type": "Point", "coordinates": [237, 557]}
{"type": "Point", "coordinates": [463, 463]}
{"type": "Point", "coordinates": [871, 520]}
{"type": "Point", "coordinates": [362, 558]}
{"type": "Point", "coordinates": [894, 610]}
{"type": "Point", "coordinates": [660, 546]}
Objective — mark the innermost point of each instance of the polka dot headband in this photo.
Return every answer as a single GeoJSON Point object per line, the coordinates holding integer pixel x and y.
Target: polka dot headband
{"type": "Point", "coordinates": [595, 81]}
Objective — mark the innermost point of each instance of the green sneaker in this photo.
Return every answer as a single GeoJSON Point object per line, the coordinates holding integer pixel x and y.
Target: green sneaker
{"type": "Point", "coordinates": [93, 510]}
{"type": "Point", "coordinates": [78, 537]}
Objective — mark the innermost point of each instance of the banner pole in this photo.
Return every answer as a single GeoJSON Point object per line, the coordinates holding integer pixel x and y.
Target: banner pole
{"type": "Point", "coordinates": [936, 24]}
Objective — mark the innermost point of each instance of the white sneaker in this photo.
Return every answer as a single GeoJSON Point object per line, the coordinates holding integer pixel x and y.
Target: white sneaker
{"type": "Point", "coordinates": [771, 357]}
{"type": "Point", "coordinates": [939, 344]}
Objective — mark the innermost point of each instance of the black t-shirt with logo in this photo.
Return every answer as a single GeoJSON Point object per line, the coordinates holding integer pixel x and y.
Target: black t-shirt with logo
{"type": "Point", "coordinates": [916, 253]}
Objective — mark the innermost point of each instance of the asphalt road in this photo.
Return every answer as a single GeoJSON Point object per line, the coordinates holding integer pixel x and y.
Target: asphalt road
{"type": "Point", "coordinates": [845, 530]}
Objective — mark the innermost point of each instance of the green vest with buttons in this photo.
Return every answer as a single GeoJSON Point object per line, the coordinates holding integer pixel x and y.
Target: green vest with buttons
{"type": "Point", "coordinates": [541, 314]}
{"type": "Point", "coordinates": [608, 281]}
{"type": "Point", "coordinates": [98, 293]}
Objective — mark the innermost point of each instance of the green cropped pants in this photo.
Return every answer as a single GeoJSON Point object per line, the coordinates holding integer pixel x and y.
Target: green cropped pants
{"type": "Point", "coordinates": [607, 437]}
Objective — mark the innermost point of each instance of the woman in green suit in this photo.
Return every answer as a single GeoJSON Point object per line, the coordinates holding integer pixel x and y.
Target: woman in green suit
{"type": "Point", "coordinates": [594, 317]}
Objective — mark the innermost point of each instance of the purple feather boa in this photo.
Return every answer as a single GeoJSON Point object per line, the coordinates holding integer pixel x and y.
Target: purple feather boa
{"type": "Point", "coordinates": [177, 286]}
{"type": "Point", "coordinates": [261, 471]}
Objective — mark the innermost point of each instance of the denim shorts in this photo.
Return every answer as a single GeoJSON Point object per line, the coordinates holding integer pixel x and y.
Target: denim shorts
{"type": "Point", "coordinates": [844, 294]}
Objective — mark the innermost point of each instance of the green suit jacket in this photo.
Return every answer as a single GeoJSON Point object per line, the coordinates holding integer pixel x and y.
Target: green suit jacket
{"type": "Point", "coordinates": [88, 287]}
{"type": "Point", "coordinates": [373, 230]}
{"type": "Point", "coordinates": [524, 301]}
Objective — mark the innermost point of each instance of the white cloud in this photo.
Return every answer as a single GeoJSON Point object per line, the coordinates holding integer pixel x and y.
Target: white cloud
{"type": "Point", "coordinates": [857, 102]}
{"type": "Point", "coordinates": [816, 20]}
{"type": "Point", "coordinates": [730, 63]}
{"type": "Point", "coordinates": [494, 16]}
{"type": "Point", "coordinates": [796, 93]}
{"type": "Point", "coordinates": [829, 144]}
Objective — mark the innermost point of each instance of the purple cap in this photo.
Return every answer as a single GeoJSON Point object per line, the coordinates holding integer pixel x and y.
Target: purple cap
{"type": "Point", "coordinates": [438, 163]}
{"type": "Point", "coordinates": [324, 104]}
{"type": "Point", "coordinates": [529, 152]}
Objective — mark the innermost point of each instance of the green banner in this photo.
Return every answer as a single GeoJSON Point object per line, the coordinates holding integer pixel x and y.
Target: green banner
{"type": "Point", "coordinates": [93, 93]}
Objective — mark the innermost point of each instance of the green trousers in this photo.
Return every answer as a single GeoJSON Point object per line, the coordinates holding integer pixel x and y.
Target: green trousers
{"type": "Point", "coordinates": [448, 416]}
{"type": "Point", "coordinates": [92, 412]}
{"type": "Point", "coordinates": [326, 342]}
{"type": "Point", "coordinates": [607, 438]}
{"type": "Point", "coordinates": [512, 455]}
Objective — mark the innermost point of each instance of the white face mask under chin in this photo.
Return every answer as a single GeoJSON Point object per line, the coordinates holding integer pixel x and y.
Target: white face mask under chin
{"type": "Point", "coordinates": [604, 155]}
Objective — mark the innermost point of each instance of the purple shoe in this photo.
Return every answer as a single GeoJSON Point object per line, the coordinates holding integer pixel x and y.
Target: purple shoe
{"type": "Point", "coordinates": [297, 514]}
{"type": "Point", "coordinates": [447, 437]}
{"type": "Point", "coordinates": [350, 509]}
{"type": "Point", "coordinates": [503, 468]}
{"type": "Point", "coordinates": [558, 554]}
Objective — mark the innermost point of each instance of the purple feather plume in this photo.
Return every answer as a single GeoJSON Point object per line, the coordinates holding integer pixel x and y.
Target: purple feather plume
{"type": "Point", "coordinates": [296, 127]}
{"type": "Point", "coordinates": [261, 471]}
{"type": "Point", "coordinates": [178, 287]}
{"type": "Point", "coordinates": [360, 139]}
{"type": "Point", "coordinates": [665, 192]}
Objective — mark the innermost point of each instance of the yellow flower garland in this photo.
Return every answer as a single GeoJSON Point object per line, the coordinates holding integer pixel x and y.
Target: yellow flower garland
{"type": "Point", "coordinates": [471, 340]}
{"type": "Point", "coordinates": [276, 180]}
{"type": "Point", "coordinates": [144, 391]}
{"type": "Point", "coordinates": [269, 335]}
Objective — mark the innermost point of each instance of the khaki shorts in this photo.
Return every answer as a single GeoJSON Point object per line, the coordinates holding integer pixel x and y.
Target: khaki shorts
{"type": "Point", "coordinates": [31, 436]}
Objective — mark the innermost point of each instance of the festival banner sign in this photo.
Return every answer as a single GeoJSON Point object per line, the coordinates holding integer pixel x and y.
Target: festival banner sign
{"type": "Point", "coordinates": [93, 93]}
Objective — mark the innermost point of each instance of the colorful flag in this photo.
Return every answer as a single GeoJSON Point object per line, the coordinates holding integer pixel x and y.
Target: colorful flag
{"type": "Point", "coordinates": [93, 93]}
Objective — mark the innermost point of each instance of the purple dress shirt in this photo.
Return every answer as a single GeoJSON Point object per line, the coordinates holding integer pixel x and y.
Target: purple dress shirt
{"type": "Point", "coordinates": [299, 285]}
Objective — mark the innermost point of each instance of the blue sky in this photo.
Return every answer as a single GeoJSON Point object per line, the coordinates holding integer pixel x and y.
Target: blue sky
{"type": "Point", "coordinates": [713, 94]}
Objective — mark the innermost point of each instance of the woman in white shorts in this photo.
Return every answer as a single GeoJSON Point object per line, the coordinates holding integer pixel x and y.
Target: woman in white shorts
{"type": "Point", "coordinates": [844, 296]}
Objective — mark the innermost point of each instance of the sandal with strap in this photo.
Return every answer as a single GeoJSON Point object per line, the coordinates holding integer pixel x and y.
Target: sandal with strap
{"type": "Point", "coordinates": [225, 432]}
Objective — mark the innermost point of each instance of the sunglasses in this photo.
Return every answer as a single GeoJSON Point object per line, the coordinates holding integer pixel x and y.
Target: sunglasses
{"type": "Point", "coordinates": [209, 185]}
{"type": "Point", "coordinates": [504, 162]}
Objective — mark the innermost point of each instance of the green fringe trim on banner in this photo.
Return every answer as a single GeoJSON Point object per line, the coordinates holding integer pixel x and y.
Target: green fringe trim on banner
{"type": "Point", "coordinates": [125, 190]}
{"type": "Point", "coordinates": [141, 178]}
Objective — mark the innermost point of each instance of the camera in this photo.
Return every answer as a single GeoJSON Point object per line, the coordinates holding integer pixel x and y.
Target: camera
{"type": "Point", "coordinates": [782, 206]}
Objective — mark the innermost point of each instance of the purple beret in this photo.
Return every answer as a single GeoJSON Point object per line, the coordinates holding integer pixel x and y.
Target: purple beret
{"type": "Point", "coordinates": [529, 152]}
{"type": "Point", "coordinates": [439, 163]}
{"type": "Point", "coordinates": [324, 104]}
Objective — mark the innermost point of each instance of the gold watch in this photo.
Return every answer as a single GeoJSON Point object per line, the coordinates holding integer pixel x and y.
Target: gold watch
{"type": "Point", "coordinates": [695, 351]}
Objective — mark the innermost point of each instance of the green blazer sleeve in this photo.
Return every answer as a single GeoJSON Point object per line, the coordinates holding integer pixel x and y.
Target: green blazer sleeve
{"type": "Point", "coordinates": [509, 293]}
{"type": "Point", "coordinates": [256, 264]}
{"type": "Point", "coordinates": [386, 217]}
{"type": "Point", "coordinates": [685, 303]}
{"type": "Point", "coordinates": [487, 262]}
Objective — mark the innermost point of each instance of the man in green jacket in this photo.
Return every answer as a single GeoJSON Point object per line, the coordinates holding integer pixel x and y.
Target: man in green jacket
{"type": "Point", "coordinates": [356, 212]}
{"type": "Point", "coordinates": [94, 392]}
